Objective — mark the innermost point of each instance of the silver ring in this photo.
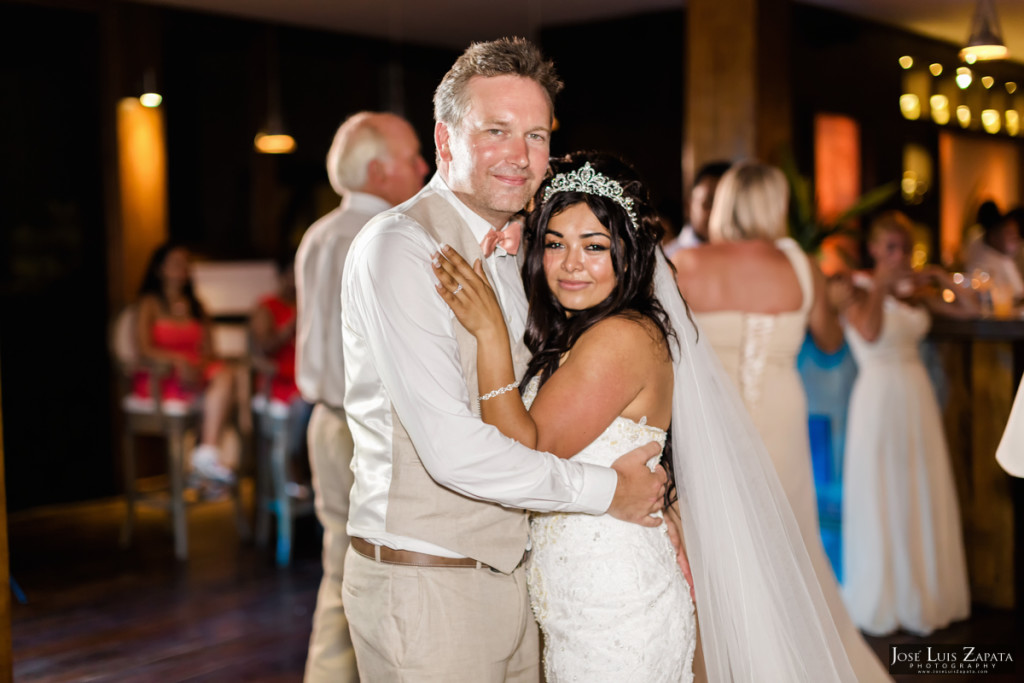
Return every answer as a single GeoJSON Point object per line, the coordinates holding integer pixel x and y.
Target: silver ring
{"type": "Point", "coordinates": [457, 289]}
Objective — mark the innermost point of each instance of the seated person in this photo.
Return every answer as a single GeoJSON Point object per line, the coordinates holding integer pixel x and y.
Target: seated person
{"type": "Point", "coordinates": [172, 329]}
{"type": "Point", "coordinates": [994, 254]}
{"type": "Point", "coordinates": [272, 326]}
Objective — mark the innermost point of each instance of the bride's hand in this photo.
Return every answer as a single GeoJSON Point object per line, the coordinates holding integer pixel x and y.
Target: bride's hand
{"type": "Point", "coordinates": [468, 293]}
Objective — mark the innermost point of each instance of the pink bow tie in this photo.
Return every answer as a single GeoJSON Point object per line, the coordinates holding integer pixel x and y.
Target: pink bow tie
{"type": "Point", "coordinates": [508, 237]}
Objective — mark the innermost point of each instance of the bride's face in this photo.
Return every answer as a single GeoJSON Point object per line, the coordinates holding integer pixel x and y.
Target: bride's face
{"type": "Point", "coordinates": [578, 258]}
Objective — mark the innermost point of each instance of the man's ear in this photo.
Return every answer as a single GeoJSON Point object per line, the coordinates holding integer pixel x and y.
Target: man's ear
{"type": "Point", "coordinates": [442, 140]}
{"type": "Point", "coordinates": [375, 173]}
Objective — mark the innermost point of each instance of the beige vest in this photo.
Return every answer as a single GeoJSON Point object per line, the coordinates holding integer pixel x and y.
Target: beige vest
{"type": "Point", "coordinates": [418, 507]}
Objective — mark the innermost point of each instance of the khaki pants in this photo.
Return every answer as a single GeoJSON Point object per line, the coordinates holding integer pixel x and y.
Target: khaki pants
{"type": "Point", "coordinates": [439, 624]}
{"type": "Point", "coordinates": [331, 658]}
{"type": "Point", "coordinates": [330, 655]}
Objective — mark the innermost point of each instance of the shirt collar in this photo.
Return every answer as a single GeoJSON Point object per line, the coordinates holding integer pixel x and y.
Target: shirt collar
{"type": "Point", "coordinates": [364, 203]}
{"type": "Point", "coordinates": [477, 224]}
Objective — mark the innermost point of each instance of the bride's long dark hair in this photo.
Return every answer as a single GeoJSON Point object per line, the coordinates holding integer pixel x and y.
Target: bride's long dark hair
{"type": "Point", "coordinates": [634, 251]}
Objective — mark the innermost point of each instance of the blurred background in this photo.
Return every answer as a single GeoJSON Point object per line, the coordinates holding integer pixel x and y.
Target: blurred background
{"type": "Point", "coordinates": [847, 95]}
{"type": "Point", "coordinates": [92, 180]}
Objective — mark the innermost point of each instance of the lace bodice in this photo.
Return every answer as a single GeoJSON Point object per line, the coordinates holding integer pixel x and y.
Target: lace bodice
{"type": "Point", "coordinates": [608, 595]}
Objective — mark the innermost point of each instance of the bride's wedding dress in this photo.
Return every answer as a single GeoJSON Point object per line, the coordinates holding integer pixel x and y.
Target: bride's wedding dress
{"type": "Point", "coordinates": [608, 595]}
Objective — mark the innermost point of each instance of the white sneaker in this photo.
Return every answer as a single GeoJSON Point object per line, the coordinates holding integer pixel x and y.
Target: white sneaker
{"type": "Point", "coordinates": [205, 462]}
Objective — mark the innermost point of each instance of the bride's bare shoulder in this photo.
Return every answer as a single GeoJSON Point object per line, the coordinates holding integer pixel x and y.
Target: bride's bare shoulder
{"type": "Point", "coordinates": [623, 336]}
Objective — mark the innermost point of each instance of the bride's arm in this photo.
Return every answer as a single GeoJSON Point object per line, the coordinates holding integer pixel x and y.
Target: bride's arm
{"type": "Point", "coordinates": [605, 372]}
{"type": "Point", "coordinates": [477, 309]}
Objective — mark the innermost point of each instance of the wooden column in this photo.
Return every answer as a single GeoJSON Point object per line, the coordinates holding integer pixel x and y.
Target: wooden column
{"type": "Point", "coordinates": [738, 73]}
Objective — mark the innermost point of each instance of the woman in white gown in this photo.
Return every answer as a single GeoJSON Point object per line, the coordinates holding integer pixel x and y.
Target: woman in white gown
{"type": "Point", "coordinates": [903, 554]}
{"type": "Point", "coordinates": [615, 362]}
{"type": "Point", "coordinates": [756, 293]}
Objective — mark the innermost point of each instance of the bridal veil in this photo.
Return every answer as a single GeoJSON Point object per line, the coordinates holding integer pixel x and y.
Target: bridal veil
{"type": "Point", "coordinates": [761, 610]}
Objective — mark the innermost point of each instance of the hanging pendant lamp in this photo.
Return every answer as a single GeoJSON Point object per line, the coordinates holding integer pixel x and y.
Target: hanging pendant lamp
{"type": "Point", "coordinates": [986, 40]}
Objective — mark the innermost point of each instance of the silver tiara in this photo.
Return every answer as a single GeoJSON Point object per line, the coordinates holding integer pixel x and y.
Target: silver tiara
{"type": "Point", "coordinates": [585, 179]}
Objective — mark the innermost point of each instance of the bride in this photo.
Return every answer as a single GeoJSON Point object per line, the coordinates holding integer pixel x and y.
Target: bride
{"type": "Point", "coordinates": [617, 362]}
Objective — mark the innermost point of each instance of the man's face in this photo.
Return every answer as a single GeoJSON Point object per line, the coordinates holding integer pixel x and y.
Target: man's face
{"type": "Point", "coordinates": [1007, 237]}
{"type": "Point", "coordinates": [495, 159]}
{"type": "Point", "coordinates": [405, 168]}
{"type": "Point", "coordinates": [701, 198]}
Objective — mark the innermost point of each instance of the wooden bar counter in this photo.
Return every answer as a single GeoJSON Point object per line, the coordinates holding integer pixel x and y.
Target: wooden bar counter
{"type": "Point", "coordinates": [984, 359]}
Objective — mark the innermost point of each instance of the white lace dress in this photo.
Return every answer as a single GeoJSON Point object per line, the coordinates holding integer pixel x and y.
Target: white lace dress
{"type": "Point", "coordinates": [608, 595]}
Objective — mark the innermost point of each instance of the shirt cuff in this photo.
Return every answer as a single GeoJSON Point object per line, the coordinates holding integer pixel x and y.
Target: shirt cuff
{"type": "Point", "coordinates": [598, 489]}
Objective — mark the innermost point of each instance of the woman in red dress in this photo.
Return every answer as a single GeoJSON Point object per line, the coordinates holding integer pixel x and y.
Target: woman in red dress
{"type": "Point", "coordinates": [173, 329]}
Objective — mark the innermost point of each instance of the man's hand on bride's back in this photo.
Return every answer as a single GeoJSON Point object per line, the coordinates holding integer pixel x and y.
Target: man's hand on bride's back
{"type": "Point", "coordinates": [640, 492]}
{"type": "Point", "coordinates": [468, 293]}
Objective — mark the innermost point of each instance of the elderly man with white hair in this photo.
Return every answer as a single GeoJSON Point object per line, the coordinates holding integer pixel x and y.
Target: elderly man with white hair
{"type": "Point", "coordinates": [374, 163]}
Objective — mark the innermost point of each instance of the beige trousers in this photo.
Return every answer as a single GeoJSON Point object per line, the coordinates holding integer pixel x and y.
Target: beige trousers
{"type": "Point", "coordinates": [439, 624]}
{"type": "Point", "coordinates": [331, 657]}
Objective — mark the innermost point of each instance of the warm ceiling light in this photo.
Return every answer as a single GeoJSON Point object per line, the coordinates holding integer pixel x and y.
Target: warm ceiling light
{"type": "Point", "coordinates": [274, 143]}
{"type": "Point", "coordinates": [906, 61]}
{"type": "Point", "coordinates": [987, 81]}
{"type": "Point", "coordinates": [963, 115]}
{"type": "Point", "coordinates": [150, 97]}
{"type": "Point", "coordinates": [940, 109]}
{"type": "Point", "coordinates": [935, 68]}
{"type": "Point", "coordinates": [990, 120]}
{"type": "Point", "coordinates": [963, 77]}
{"type": "Point", "coordinates": [1011, 87]}
{"type": "Point", "coordinates": [986, 39]}
{"type": "Point", "coordinates": [910, 105]}
{"type": "Point", "coordinates": [1012, 122]}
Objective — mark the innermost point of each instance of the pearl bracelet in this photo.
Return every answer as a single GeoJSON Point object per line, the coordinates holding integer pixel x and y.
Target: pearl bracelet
{"type": "Point", "coordinates": [497, 392]}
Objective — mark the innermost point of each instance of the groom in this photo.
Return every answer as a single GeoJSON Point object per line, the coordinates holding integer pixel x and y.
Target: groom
{"type": "Point", "coordinates": [434, 585]}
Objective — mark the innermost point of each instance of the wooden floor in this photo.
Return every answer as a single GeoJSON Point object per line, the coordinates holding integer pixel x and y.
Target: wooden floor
{"type": "Point", "coordinates": [99, 613]}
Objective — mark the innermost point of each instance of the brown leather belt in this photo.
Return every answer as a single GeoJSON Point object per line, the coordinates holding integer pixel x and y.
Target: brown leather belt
{"type": "Point", "coordinates": [380, 553]}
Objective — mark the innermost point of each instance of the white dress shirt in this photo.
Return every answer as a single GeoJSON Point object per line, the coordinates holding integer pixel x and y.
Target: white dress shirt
{"type": "Point", "coordinates": [686, 239]}
{"type": "Point", "coordinates": [319, 369]}
{"type": "Point", "coordinates": [1002, 268]}
{"type": "Point", "coordinates": [400, 350]}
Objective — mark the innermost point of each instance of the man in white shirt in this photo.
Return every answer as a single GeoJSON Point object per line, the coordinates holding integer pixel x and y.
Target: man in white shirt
{"type": "Point", "coordinates": [994, 254]}
{"type": "Point", "coordinates": [434, 587]}
{"type": "Point", "coordinates": [374, 163]}
{"type": "Point", "coordinates": [698, 210]}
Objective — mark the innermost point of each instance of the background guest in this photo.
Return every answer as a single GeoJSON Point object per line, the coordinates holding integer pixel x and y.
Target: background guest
{"type": "Point", "coordinates": [702, 195]}
{"type": "Point", "coordinates": [903, 554]}
{"type": "Point", "coordinates": [172, 328]}
{"type": "Point", "coordinates": [375, 163]}
{"type": "Point", "coordinates": [755, 294]}
{"type": "Point", "coordinates": [272, 326]}
{"type": "Point", "coordinates": [995, 252]}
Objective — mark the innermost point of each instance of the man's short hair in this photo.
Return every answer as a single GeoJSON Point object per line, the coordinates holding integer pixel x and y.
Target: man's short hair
{"type": "Point", "coordinates": [356, 143]}
{"type": "Point", "coordinates": [503, 57]}
{"type": "Point", "coordinates": [712, 169]}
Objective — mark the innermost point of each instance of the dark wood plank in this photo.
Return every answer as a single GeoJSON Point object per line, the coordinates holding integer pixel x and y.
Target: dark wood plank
{"type": "Point", "coordinates": [99, 613]}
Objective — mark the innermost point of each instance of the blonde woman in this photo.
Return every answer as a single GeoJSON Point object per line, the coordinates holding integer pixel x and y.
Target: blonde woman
{"type": "Point", "coordinates": [756, 294]}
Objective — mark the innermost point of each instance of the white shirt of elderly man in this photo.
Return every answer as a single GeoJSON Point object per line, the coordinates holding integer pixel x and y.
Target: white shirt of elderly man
{"type": "Point", "coordinates": [374, 163]}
